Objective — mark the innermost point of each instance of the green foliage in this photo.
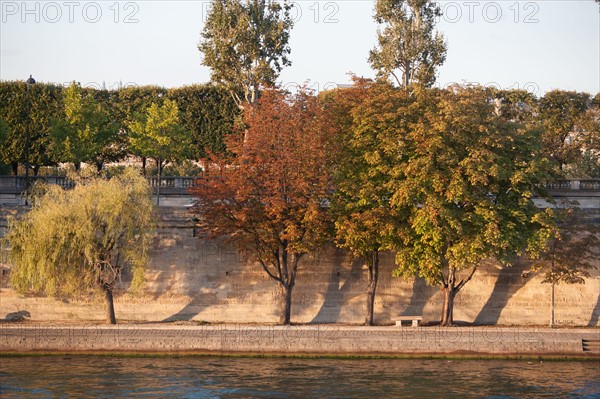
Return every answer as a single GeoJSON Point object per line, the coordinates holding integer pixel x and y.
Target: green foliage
{"type": "Point", "coordinates": [570, 249]}
{"type": "Point", "coordinates": [80, 239]}
{"type": "Point", "coordinates": [208, 113]}
{"type": "Point", "coordinates": [366, 116]}
{"type": "Point", "coordinates": [587, 139]}
{"type": "Point", "coordinates": [4, 135]}
{"type": "Point", "coordinates": [407, 41]}
{"type": "Point", "coordinates": [443, 179]}
{"type": "Point", "coordinates": [133, 101]}
{"type": "Point", "coordinates": [365, 222]}
{"type": "Point", "coordinates": [179, 168]}
{"type": "Point", "coordinates": [560, 115]}
{"type": "Point", "coordinates": [245, 43]}
{"type": "Point", "coordinates": [29, 113]}
{"type": "Point", "coordinates": [469, 179]}
{"type": "Point", "coordinates": [87, 133]}
{"type": "Point", "coordinates": [516, 105]}
{"type": "Point", "coordinates": [158, 134]}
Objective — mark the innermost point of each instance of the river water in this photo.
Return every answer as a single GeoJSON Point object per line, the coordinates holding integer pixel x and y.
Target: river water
{"type": "Point", "coordinates": [225, 377]}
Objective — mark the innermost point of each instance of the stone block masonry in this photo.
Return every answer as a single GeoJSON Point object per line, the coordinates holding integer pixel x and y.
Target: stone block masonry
{"type": "Point", "coordinates": [313, 340]}
{"type": "Point", "coordinates": [189, 278]}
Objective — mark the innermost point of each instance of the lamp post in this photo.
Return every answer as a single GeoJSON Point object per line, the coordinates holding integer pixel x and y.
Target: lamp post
{"type": "Point", "coordinates": [29, 82]}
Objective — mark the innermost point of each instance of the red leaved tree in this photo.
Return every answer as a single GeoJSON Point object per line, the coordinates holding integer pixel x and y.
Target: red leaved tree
{"type": "Point", "coordinates": [269, 195]}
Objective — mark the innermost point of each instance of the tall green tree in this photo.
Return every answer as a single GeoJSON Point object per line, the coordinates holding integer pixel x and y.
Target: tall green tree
{"type": "Point", "coordinates": [208, 113]}
{"type": "Point", "coordinates": [78, 241]}
{"type": "Point", "coordinates": [133, 101]}
{"type": "Point", "coordinates": [86, 134]}
{"type": "Point", "coordinates": [408, 50]}
{"type": "Point", "coordinates": [587, 138]}
{"type": "Point", "coordinates": [245, 44]}
{"type": "Point", "coordinates": [516, 105]}
{"type": "Point", "coordinates": [116, 149]}
{"type": "Point", "coordinates": [158, 135]}
{"type": "Point", "coordinates": [569, 254]}
{"type": "Point", "coordinates": [270, 195]}
{"type": "Point", "coordinates": [560, 114]}
{"type": "Point", "coordinates": [4, 135]}
{"type": "Point", "coordinates": [30, 114]}
{"type": "Point", "coordinates": [365, 116]}
{"type": "Point", "coordinates": [468, 180]}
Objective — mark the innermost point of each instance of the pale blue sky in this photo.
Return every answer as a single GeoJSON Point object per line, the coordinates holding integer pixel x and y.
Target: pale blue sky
{"type": "Point", "coordinates": [536, 45]}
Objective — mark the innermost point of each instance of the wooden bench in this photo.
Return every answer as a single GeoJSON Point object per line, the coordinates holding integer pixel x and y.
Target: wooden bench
{"type": "Point", "coordinates": [414, 319]}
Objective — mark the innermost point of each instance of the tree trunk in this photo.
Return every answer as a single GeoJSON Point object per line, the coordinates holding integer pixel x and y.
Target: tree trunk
{"type": "Point", "coordinates": [448, 309]}
{"type": "Point", "coordinates": [36, 169]}
{"type": "Point", "coordinates": [15, 168]}
{"type": "Point", "coordinates": [77, 166]}
{"type": "Point", "coordinates": [373, 278]}
{"type": "Point", "coordinates": [286, 309]}
{"type": "Point", "coordinates": [110, 307]}
{"type": "Point", "coordinates": [99, 165]}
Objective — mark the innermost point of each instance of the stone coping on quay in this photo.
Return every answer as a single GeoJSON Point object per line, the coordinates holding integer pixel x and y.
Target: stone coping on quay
{"type": "Point", "coordinates": [299, 340]}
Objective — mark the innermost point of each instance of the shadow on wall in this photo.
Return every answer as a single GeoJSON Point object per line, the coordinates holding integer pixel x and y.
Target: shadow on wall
{"type": "Point", "coordinates": [421, 294]}
{"type": "Point", "coordinates": [336, 296]}
{"type": "Point", "coordinates": [510, 280]}
{"type": "Point", "coordinates": [206, 273]}
{"type": "Point", "coordinates": [399, 296]}
{"type": "Point", "coordinates": [595, 314]}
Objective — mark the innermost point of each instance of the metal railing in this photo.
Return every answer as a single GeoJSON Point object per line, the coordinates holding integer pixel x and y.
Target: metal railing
{"type": "Point", "coordinates": [574, 185]}
{"type": "Point", "coordinates": [168, 185]}
{"type": "Point", "coordinates": [179, 185]}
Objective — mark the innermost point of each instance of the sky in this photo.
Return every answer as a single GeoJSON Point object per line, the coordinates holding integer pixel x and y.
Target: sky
{"type": "Point", "coordinates": [533, 45]}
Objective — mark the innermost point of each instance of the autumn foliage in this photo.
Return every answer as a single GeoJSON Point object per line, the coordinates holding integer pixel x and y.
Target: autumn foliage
{"type": "Point", "coordinates": [269, 194]}
{"type": "Point", "coordinates": [439, 177]}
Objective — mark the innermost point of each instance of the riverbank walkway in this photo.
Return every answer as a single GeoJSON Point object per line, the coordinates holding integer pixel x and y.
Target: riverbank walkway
{"type": "Point", "coordinates": [299, 340]}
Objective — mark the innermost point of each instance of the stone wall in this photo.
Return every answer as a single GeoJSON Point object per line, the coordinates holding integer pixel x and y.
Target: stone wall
{"type": "Point", "coordinates": [313, 340]}
{"type": "Point", "coordinates": [189, 278]}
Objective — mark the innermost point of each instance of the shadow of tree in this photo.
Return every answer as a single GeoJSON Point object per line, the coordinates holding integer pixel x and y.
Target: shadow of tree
{"type": "Point", "coordinates": [336, 296]}
{"type": "Point", "coordinates": [394, 292]}
{"type": "Point", "coordinates": [595, 314]}
{"type": "Point", "coordinates": [509, 281]}
{"type": "Point", "coordinates": [206, 276]}
{"type": "Point", "coordinates": [421, 293]}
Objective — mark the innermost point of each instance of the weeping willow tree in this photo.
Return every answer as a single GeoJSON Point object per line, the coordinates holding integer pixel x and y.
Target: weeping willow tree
{"type": "Point", "coordinates": [78, 241]}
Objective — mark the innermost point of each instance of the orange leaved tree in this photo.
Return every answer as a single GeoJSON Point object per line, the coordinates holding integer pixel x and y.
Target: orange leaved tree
{"type": "Point", "coordinates": [269, 195]}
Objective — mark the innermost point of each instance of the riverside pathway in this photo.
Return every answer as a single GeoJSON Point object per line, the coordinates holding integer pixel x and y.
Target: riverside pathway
{"type": "Point", "coordinates": [309, 340]}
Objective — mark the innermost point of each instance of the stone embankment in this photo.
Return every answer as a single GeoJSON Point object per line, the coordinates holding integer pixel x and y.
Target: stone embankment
{"type": "Point", "coordinates": [193, 279]}
{"type": "Point", "coordinates": [307, 340]}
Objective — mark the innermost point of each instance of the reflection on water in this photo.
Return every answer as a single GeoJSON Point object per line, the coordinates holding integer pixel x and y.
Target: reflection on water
{"type": "Point", "coordinates": [214, 377]}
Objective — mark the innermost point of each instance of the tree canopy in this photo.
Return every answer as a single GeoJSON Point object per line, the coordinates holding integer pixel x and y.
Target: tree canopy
{"type": "Point", "coordinates": [364, 221]}
{"type": "Point", "coordinates": [570, 250]}
{"type": "Point", "coordinates": [245, 43]}
{"type": "Point", "coordinates": [98, 128]}
{"type": "Point", "coordinates": [561, 113]}
{"type": "Point", "coordinates": [87, 133]}
{"type": "Point", "coordinates": [30, 114]}
{"type": "Point", "coordinates": [158, 134]}
{"type": "Point", "coordinates": [441, 178]}
{"type": "Point", "coordinates": [406, 42]}
{"type": "Point", "coordinates": [208, 114]}
{"type": "Point", "coordinates": [78, 241]}
{"type": "Point", "coordinates": [269, 195]}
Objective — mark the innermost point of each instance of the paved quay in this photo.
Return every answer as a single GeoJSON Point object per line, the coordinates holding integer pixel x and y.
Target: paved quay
{"type": "Point", "coordinates": [309, 340]}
